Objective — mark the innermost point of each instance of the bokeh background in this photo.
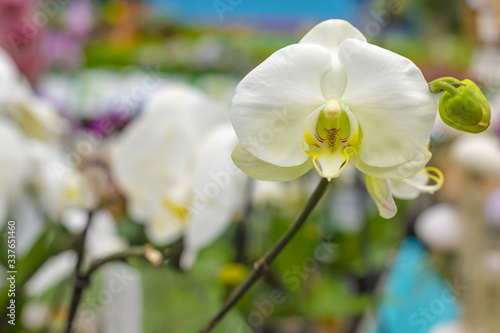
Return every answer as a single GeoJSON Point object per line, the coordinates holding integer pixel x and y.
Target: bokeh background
{"type": "Point", "coordinates": [436, 263]}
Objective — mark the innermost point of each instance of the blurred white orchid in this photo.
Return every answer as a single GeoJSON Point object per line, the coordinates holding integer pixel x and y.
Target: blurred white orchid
{"type": "Point", "coordinates": [14, 166]}
{"type": "Point", "coordinates": [329, 100]}
{"type": "Point", "coordinates": [34, 116]}
{"type": "Point", "coordinates": [478, 153]}
{"type": "Point", "coordinates": [440, 227]}
{"type": "Point", "coordinates": [173, 164]}
{"type": "Point", "coordinates": [58, 185]}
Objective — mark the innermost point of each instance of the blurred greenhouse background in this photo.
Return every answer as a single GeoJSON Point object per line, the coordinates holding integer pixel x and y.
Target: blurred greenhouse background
{"type": "Point", "coordinates": [90, 68]}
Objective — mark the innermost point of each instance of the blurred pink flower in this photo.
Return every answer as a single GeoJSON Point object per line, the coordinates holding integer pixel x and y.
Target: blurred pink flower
{"type": "Point", "coordinates": [20, 36]}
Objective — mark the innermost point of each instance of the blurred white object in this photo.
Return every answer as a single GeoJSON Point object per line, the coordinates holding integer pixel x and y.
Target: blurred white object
{"type": "Point", "coordinates": [51, 273]}
{"type": "Point", "coordinates": [102, 238]}
{"type": "Point", "coordinates": [269, 194]}
{"type": "Point", "coordinates": [448, 328]}
{"type": "Point", "coordinates": [492, 208]}
{"type": "Point", "coordinates": [479, 153]}
{"type": "Point", "coordinates": [14, 165]}
{"type": "Point", "coordinates": [74, 219]}
{"type": "Point", "coordinates": [36, 315]}
{"type": "Point", "coordinates": [347, 209]}
{"type": "Point", "coordinates": [439, 227]}
{"type": "Point", "coordinates": [30, 223]}
{"type": "Point", "coordinates": [492, 263]}
{"type": "Point", "coordinates": [173, 163]}
{"type": "Point", "coordinates": [12, 83]}
{"type": "Point", "coordinates": [123, 313]}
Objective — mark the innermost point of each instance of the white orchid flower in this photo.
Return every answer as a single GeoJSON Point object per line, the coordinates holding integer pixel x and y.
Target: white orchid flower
{"type": "Point", "coordinates": [14, 166]}
{"type": "Point", "coordinates": [329, 100]}
{"type": "Point", "coordinates": [59, 185]}
{"type": "Point", "coordinates": [34, 116]}
{"type": "Point", "coordinates": [173, 164]}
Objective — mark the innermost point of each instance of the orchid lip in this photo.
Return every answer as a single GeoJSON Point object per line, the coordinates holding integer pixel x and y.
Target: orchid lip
{"type": "Point", "coordinates": [330, 137]}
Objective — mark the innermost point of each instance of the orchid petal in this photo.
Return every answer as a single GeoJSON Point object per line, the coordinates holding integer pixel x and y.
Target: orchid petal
{"type": "Point", "coordinates": [330, 34]}
{"type": "Point", "coordinates": [391, 100]}
{"type": "Point", "coordinates": [52, 272]}
{"type": "Point", "coordinates": [381, 193]}
{"type": "Point", "coordinates": [218, 185]}
{"type": "Point", "coordinates": [261, 170]}
{"type": "Point", "coordinates": [401, 171]}
{"type": "Point", "coordinates": [4, 209]}
{"type": "Point", "coordinates": [148, 158]}
{"type": "Point", "coordinates": [272, 102]}
{"type": "Point", "coordinates": [185, 104]}
{"type": "Point", "coordinates": [403, 190]}
{"type": "Point", "coordinates": [164, 230]}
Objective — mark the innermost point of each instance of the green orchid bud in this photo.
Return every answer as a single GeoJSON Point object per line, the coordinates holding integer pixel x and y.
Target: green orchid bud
{"type": "Point", "coordinates": [462, 105]}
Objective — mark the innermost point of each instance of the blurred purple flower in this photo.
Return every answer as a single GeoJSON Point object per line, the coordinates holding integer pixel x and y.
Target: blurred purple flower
{"type": "Point", "coordinates": [62, 50]}
{"type": "Point", "coordinates": [79, 19]}
{"type": "Point", "coordinates": [106, 124]}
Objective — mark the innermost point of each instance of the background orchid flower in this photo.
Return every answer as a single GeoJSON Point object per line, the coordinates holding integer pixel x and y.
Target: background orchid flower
{"type": "Point", "coordinates": [14, 165]}
{"type": "Point", "coordinates": [173, 165]}
{"type": "Point", "coordinates": [479, 153]}
{"type": "Point", "coordinates": [36, 117]}
{"type": "Point", "coordinates": [59, 185]}
{"type": "Point", "coordinates": [440, 227]}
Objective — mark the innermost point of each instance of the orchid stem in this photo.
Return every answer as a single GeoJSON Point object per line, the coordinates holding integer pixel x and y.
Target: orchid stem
{"type": "Point", "coordinates": [80, 281]}
{"type": "Point", "coordinates": [263, 263]}
{"type": "Point", "coordinates": [241, 223]}
{"type": "Point", "coordinates": [79, 284]}
{"type": "Point", "coordinates": [447, 84]}
{"type": "Point", "coordinates": [134, 252]}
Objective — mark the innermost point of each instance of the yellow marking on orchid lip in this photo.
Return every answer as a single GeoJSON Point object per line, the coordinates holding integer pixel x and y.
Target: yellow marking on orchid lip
{"type": "Point", "coordinates": [354, 151]}
{"type": "Point", "coordinates": [317, 167]}
{"type": "Point", "coordinates": [322, 174]}
{"type": "Point", "coordinates": [309, 139]}
{"type": "Point", "coordinates": [179, 210]}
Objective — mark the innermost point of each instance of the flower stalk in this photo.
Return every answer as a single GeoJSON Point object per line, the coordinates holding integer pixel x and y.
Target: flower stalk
{"type": "Point", "coordinates": [260, 267]}
{"type": "Point", "coordinates": [79, 282]}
